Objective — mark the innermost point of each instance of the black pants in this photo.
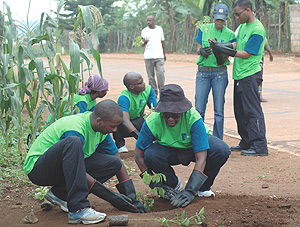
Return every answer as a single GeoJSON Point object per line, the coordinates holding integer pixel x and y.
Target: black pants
{"type": "Point", "coordinates": [249, 115]}
{"type": "Point", "coordinates": [122, 131]}
{"type": "Point", "coordinates": [63, 166]}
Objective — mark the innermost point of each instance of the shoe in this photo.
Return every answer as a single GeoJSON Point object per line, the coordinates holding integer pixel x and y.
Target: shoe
{"type": "Point", "coordinates": [237, 148]}
{"type": "Point", "coordinates": [251, 152]}
{"type": "Point", "coordinates": [123, 149]}
{"type": "Point", "coordinates": [179, 185]}
{"type": "Point", "coordinates": [208, 193]}
{"type": "Point", "coordinates": [56, 201]}
{"type": "Point", "coordinates": [86, 216]}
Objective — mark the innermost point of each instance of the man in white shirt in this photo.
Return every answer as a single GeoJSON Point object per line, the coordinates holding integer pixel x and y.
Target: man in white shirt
{"type": "Point", "coordinates": [154, 43]}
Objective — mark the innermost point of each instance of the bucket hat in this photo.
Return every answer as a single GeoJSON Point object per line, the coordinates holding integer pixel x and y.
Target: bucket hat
{"type": "Point", "coordinates": [221, 12]}
{"type": "Point", "coordinates": [172, 100]}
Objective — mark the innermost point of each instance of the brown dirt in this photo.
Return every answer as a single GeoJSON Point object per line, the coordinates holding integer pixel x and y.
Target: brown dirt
{"type": "Point", "coordinates": [250, 191]}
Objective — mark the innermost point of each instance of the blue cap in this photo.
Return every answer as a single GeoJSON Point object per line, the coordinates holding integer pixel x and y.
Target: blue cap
{"type": "Point", "coordinates": [221, 12]}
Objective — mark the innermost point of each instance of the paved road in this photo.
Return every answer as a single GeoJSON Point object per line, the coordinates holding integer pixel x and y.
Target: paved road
{"type": "Point", "coordinates": [281, 88]}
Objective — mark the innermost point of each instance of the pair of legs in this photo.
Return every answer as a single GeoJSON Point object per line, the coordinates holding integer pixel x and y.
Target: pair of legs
{"type": "Point", "coordinates": [216, 81]}
{"type": "Point", "coordinates": [160, 159]}
{"type": "Point", "coordinates": [155, 66]}
{"type": "Point", "coordinates": [122, 131]}
{"type": "Point", "coordinates": [249, 115]}
{"type": "Point", "coordinates": [63, 166]}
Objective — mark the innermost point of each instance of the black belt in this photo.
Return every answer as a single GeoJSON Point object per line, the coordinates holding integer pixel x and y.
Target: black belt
{"type": "Point", "coordinates": [210, 69]}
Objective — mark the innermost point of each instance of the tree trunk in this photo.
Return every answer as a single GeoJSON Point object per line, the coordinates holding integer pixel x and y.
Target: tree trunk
{"type": "Point", "coordinates": [287, 27]}
{"type": "Point", "coordinates": [172, 25]}
{"type": "Point", "coordinates": [111, 41]}
{"type": "Point", "coordinates": [279, 29]}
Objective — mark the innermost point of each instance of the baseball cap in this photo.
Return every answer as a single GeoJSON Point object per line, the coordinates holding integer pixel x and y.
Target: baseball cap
{"type": "Point", "coordinates": [221, 12]}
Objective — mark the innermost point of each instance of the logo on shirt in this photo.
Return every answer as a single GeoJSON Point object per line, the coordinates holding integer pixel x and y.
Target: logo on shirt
{"type": "Point", "coordinates": [142, 102]}
{"type": "Point", "coordinates": [184, 136]}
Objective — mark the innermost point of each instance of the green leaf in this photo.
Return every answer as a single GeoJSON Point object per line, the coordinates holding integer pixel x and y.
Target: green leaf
{"type": "Point", "coordinates": [75, 57]}
{"type": "Point", "coordinates": [41, 73]}
{"type": "Point", "coordinates": [39, 39]}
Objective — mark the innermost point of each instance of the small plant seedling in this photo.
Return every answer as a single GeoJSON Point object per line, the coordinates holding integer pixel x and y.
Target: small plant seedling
{"type": "Point", "coordinates": [151, 111]}
{"type": "Point", "coordinates": [151, 179]}
{"type": "Point", "coordinates": [138, 41]}
{"type": "Point", "coordinates": [41, 192]}
{"type": "Point", "coordinates": [205, 20]}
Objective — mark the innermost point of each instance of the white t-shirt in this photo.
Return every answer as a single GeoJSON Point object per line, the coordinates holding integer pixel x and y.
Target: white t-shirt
{"type": "Point", "coordinates": [153, 47]}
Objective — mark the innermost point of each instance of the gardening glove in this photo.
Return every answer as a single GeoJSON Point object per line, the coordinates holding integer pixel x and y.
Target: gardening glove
{"type": "Point", "coordinates": [183, 198]}
{"type": "Point", "coordinates": [127, 188]}
{"type": "Point", "coordinates": [222, 51]}
{"type": "Point", "coordinates": [169, 191]}
{"type": "Point", "coordinates": [205, 52]}
{"type": "Point", "coordinates": [119, 201]}
{"type": "Point", "coordinates": [135, 134]}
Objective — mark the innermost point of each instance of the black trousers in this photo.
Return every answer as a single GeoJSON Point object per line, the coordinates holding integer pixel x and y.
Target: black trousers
{"type": "Point", "coordinates": [63, 166]}
{"type": "Point", "coordinates": [122, 131]}
{"type": "Point", "coordinates": [249, 115]}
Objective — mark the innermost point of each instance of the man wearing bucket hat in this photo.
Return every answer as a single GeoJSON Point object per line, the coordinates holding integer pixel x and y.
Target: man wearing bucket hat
{"type": "Point", "coordinates": [212, 72]}
{"type": "Point", "coordinates": [180, 138]}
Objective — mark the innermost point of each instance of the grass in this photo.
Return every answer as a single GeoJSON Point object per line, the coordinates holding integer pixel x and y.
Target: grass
{"type": "Point", "coordinates": [11, 162]}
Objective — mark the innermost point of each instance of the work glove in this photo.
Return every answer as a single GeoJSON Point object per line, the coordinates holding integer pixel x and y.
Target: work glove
{"type": "Point", "coordinates": [169, 191]}
{"type": "Point", "coordinates": [206, 51]}
{"type": "Point", "coordinates": [119, 201]}
{"type": "Point", "coordinates": [185, 197]}
{"type": "Point", "coordinates": [222, 51]}
{"type": "Point", "coordinates": [127, 188]}
{"type": "Point", "coordinates": [135, 134]}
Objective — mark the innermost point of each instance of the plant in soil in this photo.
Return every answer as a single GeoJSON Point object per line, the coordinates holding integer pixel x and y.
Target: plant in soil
{"type": "Point", "coordinates": [151, 179]}
{"type": "Point", "coordinates": [196, 219]}
{"type": "Point", "coordinates": [41, 192]}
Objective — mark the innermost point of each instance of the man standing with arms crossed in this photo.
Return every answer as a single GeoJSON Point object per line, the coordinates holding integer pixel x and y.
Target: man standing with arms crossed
{"type": "Point", "coordinates": [246, 74]}
{"type": "Point", "coordinates": [155, 55]}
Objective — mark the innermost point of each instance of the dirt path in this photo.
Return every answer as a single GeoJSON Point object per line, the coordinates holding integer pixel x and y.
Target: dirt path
{"type": "Point", "coordinates": [250, 191]}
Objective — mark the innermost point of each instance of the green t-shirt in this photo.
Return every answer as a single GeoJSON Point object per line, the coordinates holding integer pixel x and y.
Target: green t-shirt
{"type": "Point", "coordinates": [79, 123]}
{"type": "Point", "coordinates": [250, 38]}
{"type": "Point", "coordinates": [207, 32]}
{"type": "Point", "coordinates": [178, 136]}
{"type": "Point", "coordinates": [83, 102]}
{"type": "Point", "coordinates": [137, 103]}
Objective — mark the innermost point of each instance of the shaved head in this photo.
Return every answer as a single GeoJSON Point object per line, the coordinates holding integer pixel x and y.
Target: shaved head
{"type": "Point", "coordinates": [130, 77]}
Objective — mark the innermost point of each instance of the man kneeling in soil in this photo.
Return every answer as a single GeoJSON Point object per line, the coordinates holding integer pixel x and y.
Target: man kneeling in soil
{"type": "Point", "coordinates": [180, 138]}
{"type": "Point", "coordinates": [133, 101]}
{"type": "Point", "coordinates": [76, 155]}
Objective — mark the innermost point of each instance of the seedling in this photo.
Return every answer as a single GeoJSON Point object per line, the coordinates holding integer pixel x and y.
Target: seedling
{"type": "Point", "coordinates": [202, 22]}
{"type": "Point", "coordinates": [151, 179]}
{"type": "Point", "coordinates": [138, 41]}
{"type": "Point", "coordinates": [151, 111]}
{"type": "Point", "coordinates": [196, 219]}
{"type": "Point", "coordinates": [41, 192]}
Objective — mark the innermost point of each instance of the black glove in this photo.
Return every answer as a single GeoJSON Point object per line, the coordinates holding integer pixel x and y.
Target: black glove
{"type": "Point", "coordinates": [183, 198]}
{"type": "Point", "coordinates": [127, 188]}
{"type": "Point", "coordinates": [169, 191]}
{"type": "Point", "coordinates": [119, 201]}
{"type": "Point", "coordinates": [205, 52]}
{"type": "Point", "coordinates": [135, 134]}
{"type": "Point", "coordinates": [224, 48]}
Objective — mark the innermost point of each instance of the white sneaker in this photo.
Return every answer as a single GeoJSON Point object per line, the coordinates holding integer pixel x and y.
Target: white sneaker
{"type": "Point", "coordinates": [123, 149]}
{"type": "Point", "coordinates": [179, 185]}
{"type": "Point", "coordinates": [86, 216]}
{"type": "Point", "coordinates": [208, 193]}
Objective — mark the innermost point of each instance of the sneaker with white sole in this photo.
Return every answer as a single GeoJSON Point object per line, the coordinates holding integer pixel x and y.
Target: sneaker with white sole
{"type": "Point", "coordinates": [208, 193]}
{"type": "Point", "coordinates": [179, 185]}
{"type": "Point", "coordinates": [123, 149]}
{"type": "Point", "coordinates": [86, 216]}
{"type": "Point", "coordinates": [56, 201]}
